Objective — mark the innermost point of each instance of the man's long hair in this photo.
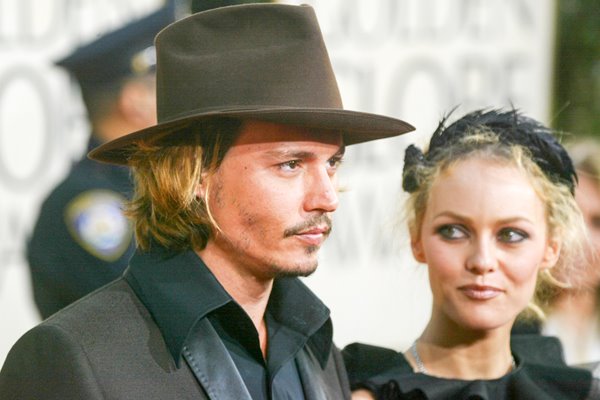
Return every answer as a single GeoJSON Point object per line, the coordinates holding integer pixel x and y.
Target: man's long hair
{"type": "Point", "coordinates": [165, 208]}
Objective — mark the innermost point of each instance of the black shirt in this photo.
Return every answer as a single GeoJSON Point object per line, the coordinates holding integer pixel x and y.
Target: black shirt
{"type": "Point", "coordinates": [179, 290]}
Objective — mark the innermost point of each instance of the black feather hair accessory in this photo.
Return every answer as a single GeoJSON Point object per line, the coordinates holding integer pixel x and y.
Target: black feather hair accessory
{"type": "Point", "coordinates": [413, 157]}
{"type": "Point", "coordinates": [512, 128]}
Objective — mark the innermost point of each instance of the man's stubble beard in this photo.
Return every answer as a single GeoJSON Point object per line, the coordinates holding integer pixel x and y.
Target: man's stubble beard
{"type": "Point", "coordinates": [303, 271]}
{"type": "Point", "coordinates": [297, 271]}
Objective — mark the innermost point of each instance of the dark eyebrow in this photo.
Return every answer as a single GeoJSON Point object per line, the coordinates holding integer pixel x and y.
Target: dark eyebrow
{"type": "Point", "coordinates": [302, 155]}
{"type": "Point", "coordinates": [290, 154]}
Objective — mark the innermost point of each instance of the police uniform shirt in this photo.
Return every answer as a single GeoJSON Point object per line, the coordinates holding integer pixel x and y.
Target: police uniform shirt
{"type": "Point", "coordinates": [81, 239]}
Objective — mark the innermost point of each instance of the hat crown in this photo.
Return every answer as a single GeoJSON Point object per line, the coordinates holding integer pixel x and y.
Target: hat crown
{"type": "Point", "coordinates": [241, 58]}
{"type": "Point", "coordinates": [251, 61]}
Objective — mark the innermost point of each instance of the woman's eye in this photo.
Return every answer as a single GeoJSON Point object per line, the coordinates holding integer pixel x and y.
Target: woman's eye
{"type": "Point", "coordinates": [510, 235]}
{"type": "Point", "coordinates": [452, 232]}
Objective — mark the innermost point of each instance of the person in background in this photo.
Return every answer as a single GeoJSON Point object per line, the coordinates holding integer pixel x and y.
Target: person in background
{"type": "Point", "coordinates": [205, 5]}
{"type": "Point", "coordinates": [235, 188]}
{"type": "Point", "coordinates": [574, 313]}
{"type": "Point", "coordinates": [81, 239]}
{"type": "Point", "coordinates": [491, 212]}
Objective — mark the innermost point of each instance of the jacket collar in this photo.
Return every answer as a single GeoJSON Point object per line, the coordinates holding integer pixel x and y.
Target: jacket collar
{"type": "Point", "coordinates": [179, 291]}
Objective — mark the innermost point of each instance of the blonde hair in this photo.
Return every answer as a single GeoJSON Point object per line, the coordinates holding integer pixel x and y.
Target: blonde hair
{"type": "Point", "coordinates": [165, 208]}
{"type": "Point", "coordinates": [563, 217]}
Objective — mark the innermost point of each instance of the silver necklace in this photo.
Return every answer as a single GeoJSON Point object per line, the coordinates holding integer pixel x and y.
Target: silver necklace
{"type": "Point", "coordinates": [421, 367]}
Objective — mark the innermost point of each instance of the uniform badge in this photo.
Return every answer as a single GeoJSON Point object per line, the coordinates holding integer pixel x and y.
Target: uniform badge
{"type": "Point", "coordinates": [95, 220]}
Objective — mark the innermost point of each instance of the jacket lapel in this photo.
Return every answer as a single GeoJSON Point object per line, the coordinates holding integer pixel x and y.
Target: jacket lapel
{"type": "Point", "coordinates": [210, 361]}
{"type": "Point", "coordinates": [311, 376]}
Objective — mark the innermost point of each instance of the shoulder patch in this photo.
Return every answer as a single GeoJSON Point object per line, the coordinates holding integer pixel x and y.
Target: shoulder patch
{"type": "Point", "coordinates": [95, 220]}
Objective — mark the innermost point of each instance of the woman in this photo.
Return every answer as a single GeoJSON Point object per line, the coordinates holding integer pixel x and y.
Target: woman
{"type": "Point", "coordinates": [492, 214]}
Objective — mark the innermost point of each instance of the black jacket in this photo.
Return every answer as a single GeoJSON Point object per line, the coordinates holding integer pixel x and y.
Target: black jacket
{"type": "Point", "coordinates": [107, 346]}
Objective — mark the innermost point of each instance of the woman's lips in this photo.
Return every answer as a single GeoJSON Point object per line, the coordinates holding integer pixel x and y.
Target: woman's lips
{"type": "Point", "coordinates": [479, 292]}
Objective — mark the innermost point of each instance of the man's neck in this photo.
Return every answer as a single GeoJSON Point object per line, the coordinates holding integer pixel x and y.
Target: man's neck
{"type": "Point", "coordinates": [249, 291]}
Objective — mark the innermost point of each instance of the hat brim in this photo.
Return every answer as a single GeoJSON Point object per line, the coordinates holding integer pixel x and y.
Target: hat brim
{"type": "Point", "coordinates": [356, 127]}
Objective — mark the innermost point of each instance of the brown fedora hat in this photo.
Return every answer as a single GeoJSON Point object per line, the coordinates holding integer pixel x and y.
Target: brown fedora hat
{"type": "Point", "coordinates": [253, 61]}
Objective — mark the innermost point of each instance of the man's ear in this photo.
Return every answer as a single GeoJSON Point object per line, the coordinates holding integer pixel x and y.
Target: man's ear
{"type": "Point", "coordinates": [551, 254]}
{"type": "Point", "coordinates": [417, 249]}
{"type": "Point", "coordinates": [199, 191]}
{"type": "Point", "coordinates": [201, 188]}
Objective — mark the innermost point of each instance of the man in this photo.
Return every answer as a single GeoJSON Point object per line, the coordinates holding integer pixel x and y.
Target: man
{"type": "Point", "coordinates": [81, 239]}
{"type": "Point", "coordinates": [235, 187]}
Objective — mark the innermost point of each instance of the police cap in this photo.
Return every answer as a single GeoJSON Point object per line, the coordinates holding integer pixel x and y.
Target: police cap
{"type": "Point", "coordinates": [128, 51]}
{"type": "Point", "coordinates": [203, 5]}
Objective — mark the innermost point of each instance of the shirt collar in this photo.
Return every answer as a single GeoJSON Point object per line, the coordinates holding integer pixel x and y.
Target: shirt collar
{"type": "Point", "coordinates": [178, 290]}
{"type": "Point", "coordinates": [295, 306]}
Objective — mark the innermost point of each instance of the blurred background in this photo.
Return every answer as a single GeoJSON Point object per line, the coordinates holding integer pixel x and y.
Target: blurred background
{"type": "Point", "coordinates": [411, 59]}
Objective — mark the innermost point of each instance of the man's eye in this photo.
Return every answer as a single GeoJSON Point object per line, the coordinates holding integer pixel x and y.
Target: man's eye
{"type": "Point", "coordinates": [334, 162]}
{"type": "Point", "coordinates": [290, 165]}
{"type": "Point", "coordinates": [452, 232]}
{"type": "Point", "coordinates": [511, 235]}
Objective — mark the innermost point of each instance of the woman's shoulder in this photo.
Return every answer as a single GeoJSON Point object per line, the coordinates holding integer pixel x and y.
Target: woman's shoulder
{"type": "Point", "coordinates": [365, 361]}
{"type": "Point", "coordinates": [544, 361]}
{"type": "Point", "coordinates": [538, 349]}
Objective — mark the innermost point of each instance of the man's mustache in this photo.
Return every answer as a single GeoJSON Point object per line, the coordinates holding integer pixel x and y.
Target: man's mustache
{"type": "Point", "coordinates": [314, 222]}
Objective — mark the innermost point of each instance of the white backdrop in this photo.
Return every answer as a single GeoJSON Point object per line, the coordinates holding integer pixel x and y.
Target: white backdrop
{"type": "Point", "coordinates": [412, 59]}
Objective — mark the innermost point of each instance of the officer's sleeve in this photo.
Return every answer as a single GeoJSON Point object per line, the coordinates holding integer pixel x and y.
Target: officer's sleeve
{"type": "Point", "coordinates": [46, 363]}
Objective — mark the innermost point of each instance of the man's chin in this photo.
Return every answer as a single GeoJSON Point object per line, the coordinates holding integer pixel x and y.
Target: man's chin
{"type": "Point", "coordinates": [296, 270]}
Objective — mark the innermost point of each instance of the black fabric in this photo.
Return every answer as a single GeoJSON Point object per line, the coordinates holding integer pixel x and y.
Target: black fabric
{"type": "Point", "coordinates": [536, 376]}
{"type": "Point", "coordinates": [179, 290]}
{"type": "Point", "coordinates": [62, 271]}
{"type": "Point", "coordinates": [277, 377]}
{"type": "Point", "coordinates": [364, 361]}
{"type": "Point", "coordinates": [538, 349]}
{"type": "Point", "coordinates": [521, 327]}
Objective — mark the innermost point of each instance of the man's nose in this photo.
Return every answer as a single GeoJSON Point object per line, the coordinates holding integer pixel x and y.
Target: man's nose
{"type": "Point", "coordinates": [321, 192]}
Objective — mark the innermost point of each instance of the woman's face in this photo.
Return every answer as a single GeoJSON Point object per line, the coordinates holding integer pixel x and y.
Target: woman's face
{"type": "Point", "coordinates": [484, 239]}
{"type": "Point", "coordinates": [587, 196]}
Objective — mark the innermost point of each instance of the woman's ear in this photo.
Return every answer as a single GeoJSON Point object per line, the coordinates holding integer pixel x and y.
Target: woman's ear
{"type": "Point", "coordinates": [417, 249]}
{"type": "Point", "coordinates": [551, 254]}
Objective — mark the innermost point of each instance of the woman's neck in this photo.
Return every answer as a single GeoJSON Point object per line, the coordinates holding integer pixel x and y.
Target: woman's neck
{"type": "Point", "coordinates": [459, 353]}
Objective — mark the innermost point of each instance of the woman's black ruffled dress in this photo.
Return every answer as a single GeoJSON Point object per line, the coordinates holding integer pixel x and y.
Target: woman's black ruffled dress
{"type": "Point", "coordinates": [541, 374]}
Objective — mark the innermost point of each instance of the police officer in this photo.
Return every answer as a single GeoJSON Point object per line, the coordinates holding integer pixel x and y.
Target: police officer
{"type": "Point", "coordinates": [81, 239]}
